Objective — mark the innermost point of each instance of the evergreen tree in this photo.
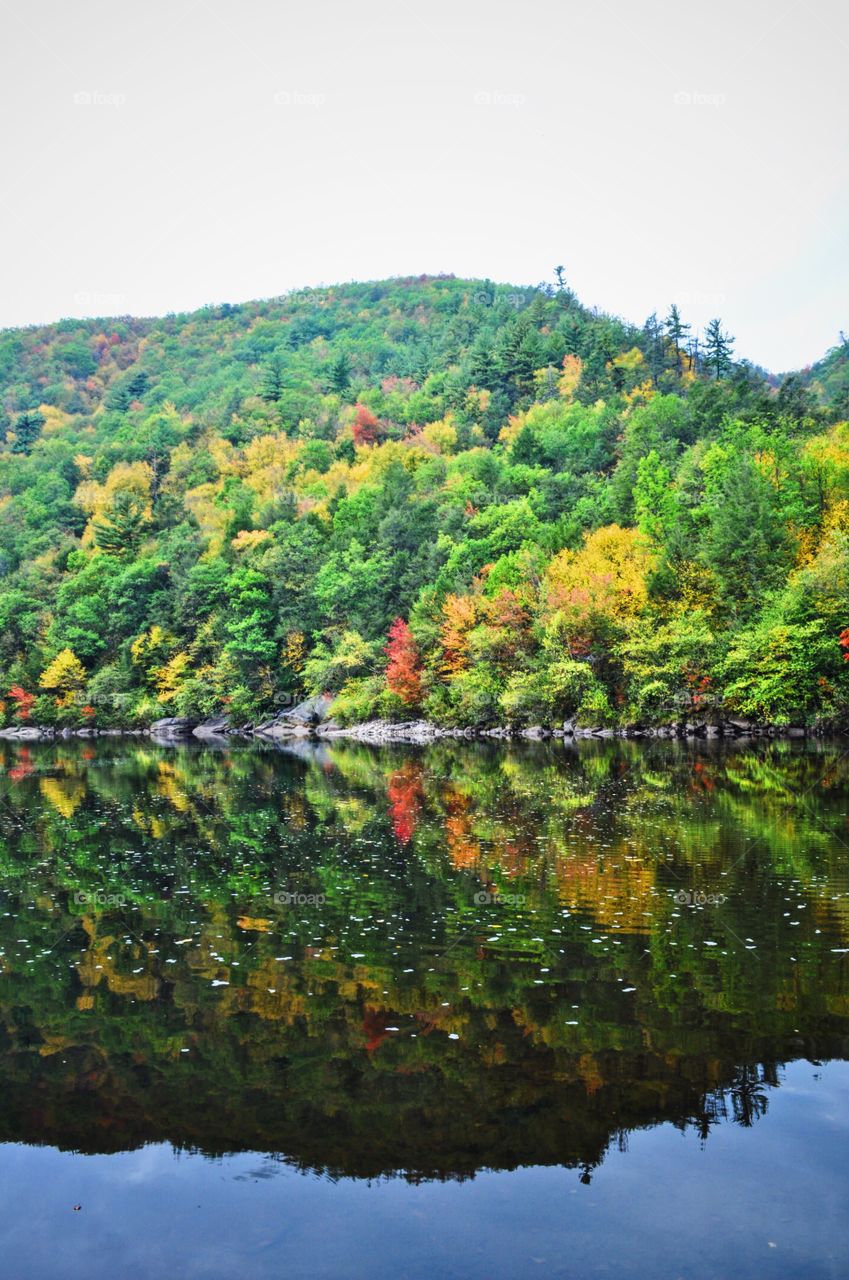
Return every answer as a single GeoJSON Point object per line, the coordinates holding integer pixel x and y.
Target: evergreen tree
{"type": "Point", "coordinates": [27, 429]}
{"type": "Point", "coordinates": [121, 531]}
{"type": "Point", "coordinates": [677, 331]}
{"type": "Point", "coordinates": [339, 376]}
{"type": "Point", "coordinates": [719, 348]}
{"type": "Point", "coordinates": [272, 384]}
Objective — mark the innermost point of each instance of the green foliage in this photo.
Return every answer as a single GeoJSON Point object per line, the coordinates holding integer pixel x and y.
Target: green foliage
{"type": "Point", "coordinates": [266, 489]}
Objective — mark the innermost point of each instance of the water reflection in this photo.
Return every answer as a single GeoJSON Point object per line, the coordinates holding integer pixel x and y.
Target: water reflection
{"type": "Point", "coordinates": [418, 962]}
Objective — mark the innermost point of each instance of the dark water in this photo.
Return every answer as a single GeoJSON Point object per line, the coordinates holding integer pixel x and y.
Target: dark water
{"type": "Point", "coordinates": [467, 1012]}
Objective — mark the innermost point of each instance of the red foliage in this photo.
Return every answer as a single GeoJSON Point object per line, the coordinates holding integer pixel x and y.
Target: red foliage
{"type": "Point", "coordinates": [843, 641]}
{"type": "Point", "coordinates": [24, 701]}
{"type": "Point", "coordinates": [23, 767]}
{"type": "Point", "coordinates": [366, 426]}
{"type": "Point", "coordinates": [374, 1028]}
{"type": "Point", "coordinates": [405, 793]}
{"type": "Point", "coordinates": [403, 670]}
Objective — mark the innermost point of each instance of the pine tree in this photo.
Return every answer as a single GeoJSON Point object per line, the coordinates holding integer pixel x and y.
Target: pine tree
{"type": "Point", "coordinates": [339, 376]}
{"type": "Point", "coordinates": [677, 331]}
{"type": "Point", "coordinates": [653, 345]}
{"type": "Point", "coordinates": [719, 348]}
{"type": "Point", "coordinates": [123, 528]}
{"type": "Point", "coordinates": [27, 427]}
{"type": "Point", "coordinates": [271, 387]}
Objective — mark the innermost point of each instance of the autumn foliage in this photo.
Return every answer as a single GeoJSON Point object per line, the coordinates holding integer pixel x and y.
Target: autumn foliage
{"type": "Point", "coordinates": [403, 668]}
{"type": "Point", "coordinates": [23, 701]}
{"type": "Point", "coordinates": [366, 427]}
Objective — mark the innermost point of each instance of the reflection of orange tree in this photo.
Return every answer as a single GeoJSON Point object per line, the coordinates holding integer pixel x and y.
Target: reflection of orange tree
{"type": "Point", "coordinates": [406, 793]}
{"type": "Point", "coordinates": [463, 848]}
{"type": "Point", "coordinates": [617, 890]}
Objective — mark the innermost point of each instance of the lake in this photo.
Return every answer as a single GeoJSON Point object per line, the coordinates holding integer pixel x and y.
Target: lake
{"type": "Point", "coordinates": [470, 1010]}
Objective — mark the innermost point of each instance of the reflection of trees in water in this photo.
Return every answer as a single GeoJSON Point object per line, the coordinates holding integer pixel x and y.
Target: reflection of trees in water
{"type": "Point", "coordinates": [744, 1100]}
{"type": "Point", "coordinates": [302, 1057]}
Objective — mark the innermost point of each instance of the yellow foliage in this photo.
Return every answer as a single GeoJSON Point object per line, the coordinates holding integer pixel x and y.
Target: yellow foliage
{"type": "Point", "coordinates": [64, 676]}
{"type": "Point", "coordinates": [442, 434]}
{"type": "Point", "coordinates": [247, 539]}
{"type": "Point", "coordinates": [570, 378]}
{"type": "Point", "coordinates": [169, 677]}
{"type": "Point", "coordinates": [514, 425]}
{"type": "Point", "coordinates": [64, 794]}
{"type": "Point", "coordinates": [54, 419]}
{"type": "Point", "coordinates": [458, 619]}
{"type": "Point", "coordinates": [151, 646]}
{"type": "Point", "coordinates": [295, 651]}
{"type": "Point", "coordinates": [642, 393]}
{"type": "Point", "coordinates": [606, 576]}
{"type": "Point", "coordinates": [97, 499]}
{"type": "Point", "coordinates": [629, 361]}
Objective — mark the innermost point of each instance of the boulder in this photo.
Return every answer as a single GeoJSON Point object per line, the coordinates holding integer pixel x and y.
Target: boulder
{"type": "Point", "coordinates": [310, 711]}
{"type": "Point", "coordinates": [173, 727]}
{"type": "Point", "coordinates": [216, 727]}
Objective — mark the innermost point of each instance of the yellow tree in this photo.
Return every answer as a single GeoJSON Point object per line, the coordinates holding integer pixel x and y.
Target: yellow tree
{"type": "Point", "coordinates": [65, 677]}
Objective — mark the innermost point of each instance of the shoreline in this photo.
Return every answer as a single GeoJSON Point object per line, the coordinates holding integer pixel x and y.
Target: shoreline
{"type": "Point", "coordinates": [288, 727]}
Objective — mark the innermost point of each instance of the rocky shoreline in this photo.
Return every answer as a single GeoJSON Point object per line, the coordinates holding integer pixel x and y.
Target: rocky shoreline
{"type": "Point", "coordinates": [310, 720]}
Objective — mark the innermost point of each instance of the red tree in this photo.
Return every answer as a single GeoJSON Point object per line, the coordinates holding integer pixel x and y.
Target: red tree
{"type": "Point", "coordinates": [403, 670]}
{"type": "Point", "coordinates": [843, 641]}
{"type": "Point", "coordinates": [24, 701]}
{"type": "Point", "coordinates": [366, 426]}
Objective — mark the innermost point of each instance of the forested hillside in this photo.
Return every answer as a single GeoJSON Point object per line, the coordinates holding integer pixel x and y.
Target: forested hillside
{"type": "Point", "coordinates": [478, 503]}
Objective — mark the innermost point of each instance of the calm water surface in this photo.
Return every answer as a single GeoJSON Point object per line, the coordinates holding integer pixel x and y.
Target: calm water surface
{"type": "Point", "coordinates": [469, 1011]}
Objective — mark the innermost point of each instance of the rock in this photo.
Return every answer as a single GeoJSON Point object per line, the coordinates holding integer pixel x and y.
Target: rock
{"type": "Point", "coordinates": [172, 727]}
{"type": "Point", "coordinates": [282, 729]}
{"type": "Point", "coordinates": [217, 727]}
{"type": "Point", "coordinates": [310, 711]}
{"type": "Point", "coordinates": [568, 728]}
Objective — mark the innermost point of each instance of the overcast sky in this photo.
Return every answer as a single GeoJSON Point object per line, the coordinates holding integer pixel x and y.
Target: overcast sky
{"type": "Point", "coordinates": [164, 154]}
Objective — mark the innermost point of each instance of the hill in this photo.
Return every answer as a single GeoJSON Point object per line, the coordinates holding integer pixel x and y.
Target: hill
{"type": "Point", "coordinates": [477, 502]}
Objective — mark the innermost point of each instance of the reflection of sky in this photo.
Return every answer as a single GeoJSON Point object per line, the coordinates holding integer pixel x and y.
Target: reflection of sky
{"type": "Point", "coordinates": [766, 1201]}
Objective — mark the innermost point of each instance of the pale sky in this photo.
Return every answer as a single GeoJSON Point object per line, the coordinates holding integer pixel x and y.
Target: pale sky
{"type": "Point", "coordinates": [161, 155]}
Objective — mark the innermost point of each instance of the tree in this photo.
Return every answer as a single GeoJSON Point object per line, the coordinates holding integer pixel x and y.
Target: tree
{"type": "Point", "coordinates": [339, 376]}
{"type": "Point", "coordinates": [27, 428]}
{"type": "Point", "coordinates": [23, 701]}
{"type": "Point", "coordinates": [403, 668]}
{"type": "Point", "coordinates": [654, 498]}
{"type": "Point", "coordinates": [719, 348]}
{"type": "Point", "coordinates": [272, 384]}
{"type": "Point", "coordinates": [65, 677]}
{"type": "Point", "coordinates": [676, 331]}
{"type": "Point", "coordinates": [366, 427]}
{"type": "Point", "coordinates": [122, 529]}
